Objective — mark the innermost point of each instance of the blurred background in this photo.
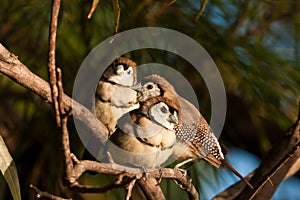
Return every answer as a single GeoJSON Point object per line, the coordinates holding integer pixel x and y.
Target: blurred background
{"type": "Point", "coordinates": [255, 45]}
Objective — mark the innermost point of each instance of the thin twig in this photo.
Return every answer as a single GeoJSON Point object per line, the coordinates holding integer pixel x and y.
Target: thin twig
{"type": "Point", "coordinates": [60, 94]}
{"type": "Point", "coordinates": [129, 189]}
{"type": "Point", "coordinates": [64, 136]}
{"type": "Point", "coordinates": [93, 8]}
{"type": "Point", "coordinates": [203, 6]}
{"type": "Point", "coordinates": [41, 194]}
{"type": "Point", "coordinates": [51, 58]}
{"type": "Point", "coordinates": [55, 80]}
{"type": "Point", "coordinates": [117, 13]}
{"type": "Point", "coordinates": [171, 2]}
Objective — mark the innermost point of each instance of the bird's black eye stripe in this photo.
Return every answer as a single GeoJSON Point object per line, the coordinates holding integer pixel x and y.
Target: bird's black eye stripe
{"type": "Point", "coordinates": [161, 90]}
{"type": "Point", "coordinates": [172, 110]}
{"type": "Point", "coordinates": [125, 67]}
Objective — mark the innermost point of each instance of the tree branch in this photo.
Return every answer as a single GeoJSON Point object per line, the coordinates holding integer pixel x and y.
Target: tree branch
{"type": "Point", "coordinates": [40, 194]}
{"type": "Point", "coordinates": [51, 59]}
{"type": "Point", "coordinates": [64, 133]}
{"type": "Point", "coordinates": [281, 162]}
{"type": "Point", "coordinates": [150, 188]}
{"type": "Point", "coordinates": [57, 91]}
{"type": "Point", "coordinates": [18, 72]}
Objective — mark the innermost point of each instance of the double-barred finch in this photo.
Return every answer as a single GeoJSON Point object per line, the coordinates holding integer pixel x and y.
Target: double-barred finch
{"type": "Point", "coordinates": [114, 97]}
{"type": "Point", "coordinates": [195, 139]}
{"type": "Point", "coordinates": [145, 137]}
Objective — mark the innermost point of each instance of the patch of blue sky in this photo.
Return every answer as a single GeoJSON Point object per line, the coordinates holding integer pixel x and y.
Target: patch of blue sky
{"type": "Point", "coordinates": [289, 189]}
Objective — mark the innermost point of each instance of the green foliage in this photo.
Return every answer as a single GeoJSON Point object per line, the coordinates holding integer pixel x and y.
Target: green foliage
{"type": "Point", "coordinates": [255, 45]}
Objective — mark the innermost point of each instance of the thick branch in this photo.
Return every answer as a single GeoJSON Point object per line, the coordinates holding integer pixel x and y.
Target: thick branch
{"type": "Point", "coordinates": [281, 162]}
{"type": "Point", "coordinates": [275, 166]}
{"type": "Point", "coordinates": [14, 69]}
{"type": "Point", "coordinates": [151, 189]}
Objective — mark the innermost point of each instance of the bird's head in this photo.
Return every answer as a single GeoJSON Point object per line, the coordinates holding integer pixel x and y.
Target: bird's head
{"type": "Point", "coordinates": [122, 72]}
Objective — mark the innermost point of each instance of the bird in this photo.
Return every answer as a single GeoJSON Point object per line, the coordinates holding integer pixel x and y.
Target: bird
{"type": "Point", "coordinates": [145, 137]}
{"type": "Point", "coordinates": [114, 97]}
{"type": "Point", "coordinates": [195, 138]}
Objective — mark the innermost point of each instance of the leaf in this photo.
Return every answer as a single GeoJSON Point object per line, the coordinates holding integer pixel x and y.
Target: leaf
{"type": "Point", "coordinates": [9, 171]}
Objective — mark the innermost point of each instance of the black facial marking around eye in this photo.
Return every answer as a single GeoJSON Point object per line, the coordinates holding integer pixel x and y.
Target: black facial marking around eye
{"type": "Point", "coordinates": [161, 91]}
{"type": "Point", "coordinates": [125, 67]}
{"type": "Point", "coordinates": [172, 110]}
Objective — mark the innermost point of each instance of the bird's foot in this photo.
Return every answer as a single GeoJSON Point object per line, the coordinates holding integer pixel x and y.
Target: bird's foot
{"type": "Point", "coordinates": [183, 171]}
{"type": "Point", "coordinates": [160, 176]}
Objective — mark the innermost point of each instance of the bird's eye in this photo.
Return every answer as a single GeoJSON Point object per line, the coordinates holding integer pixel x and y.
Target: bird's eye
{"type": "Point", "coordinates": [163, 109]}
{"type": "Point", "coordinates": [149, 86]}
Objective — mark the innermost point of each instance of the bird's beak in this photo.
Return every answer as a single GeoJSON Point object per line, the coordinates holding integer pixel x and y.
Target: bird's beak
{"type": "Point", "coordinates": [137, 87]}
{"type": "Point", "coordinates": [173, 118]}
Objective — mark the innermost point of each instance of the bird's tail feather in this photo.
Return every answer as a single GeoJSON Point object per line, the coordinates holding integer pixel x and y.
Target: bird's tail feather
{"type": "Point", "coordinates": [224, 162]}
